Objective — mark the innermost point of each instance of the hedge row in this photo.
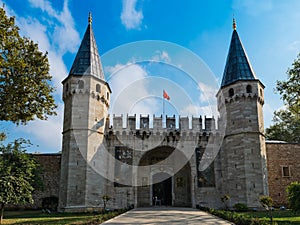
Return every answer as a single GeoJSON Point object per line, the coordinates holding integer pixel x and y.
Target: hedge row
{"type": "Point", "coordinates": [234, 217]}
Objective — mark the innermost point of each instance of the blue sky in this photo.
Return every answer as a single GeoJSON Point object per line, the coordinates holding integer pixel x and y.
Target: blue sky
{"type": "Point", "coordinates": [180, 29]}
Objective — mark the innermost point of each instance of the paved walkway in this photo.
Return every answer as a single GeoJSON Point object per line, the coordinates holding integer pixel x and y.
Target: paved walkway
{"type": "Point", "coordinates": [166, 216]}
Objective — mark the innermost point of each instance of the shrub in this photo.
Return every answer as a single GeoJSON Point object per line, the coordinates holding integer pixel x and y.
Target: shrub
{"type": "Point", "coordinates": [236, 218]}
{"type": "Point", "coordinates": [50, 203]}
{"type": "Point", "coordinates": [105, 199]}
{"type": "Point", "coordinates": [293, 191]}
{"type": "Point", "coordinates": [225, 200]}
{"type": "Point", "coordinates": [240, 207]}
{"type": "Point", "coordinates": [266, 202]}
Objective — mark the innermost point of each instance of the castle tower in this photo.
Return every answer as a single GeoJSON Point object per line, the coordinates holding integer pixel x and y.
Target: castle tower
{"type": "Point", "coordinates": [243, 152]}
{"type": "Point", "coordinates": [86, 99]}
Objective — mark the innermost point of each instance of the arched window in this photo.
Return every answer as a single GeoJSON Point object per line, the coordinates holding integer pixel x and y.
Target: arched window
{"type": "Point", "coordinates": [107, 96]}
{"type": "Point", "coordinates": [98, 88]}
{"type": "Point", "coordinates": [80, 84]}
{"type": "Point", "coordinates": [249, 89]}
{"type": "Point", "coordinates": [67, 87]}
{"type": "Point", "coordinates": [231, 92]}
{"type": "Point", "coordinates": [261, 92]}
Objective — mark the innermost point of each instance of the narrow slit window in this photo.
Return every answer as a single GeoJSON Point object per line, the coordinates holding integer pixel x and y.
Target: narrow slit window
{"type": "Point", "coordinates": [249, 89]}
{"type": "Point", "coordinates": [98, 89]}
{"type": "Point", "coordinates": [231, 92]}
{"type": "Point", "coordinates": [80, 84]}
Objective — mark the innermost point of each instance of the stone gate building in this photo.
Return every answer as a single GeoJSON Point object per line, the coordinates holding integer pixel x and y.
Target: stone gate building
{"type": "Point", "coordinates": [161, 165]}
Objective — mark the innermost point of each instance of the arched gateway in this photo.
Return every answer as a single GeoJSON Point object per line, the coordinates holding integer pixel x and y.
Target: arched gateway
{"type": "Point", "coordinates": [140, 164]}
{"type": "Point", "coordinates": [163, 183]}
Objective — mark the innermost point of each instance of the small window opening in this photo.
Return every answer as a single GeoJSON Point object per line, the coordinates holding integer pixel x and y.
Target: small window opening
{"type": "Point", "coordinates": [67, 87]}
{"type": "Point", "coordinates": [98, 88]}
{"type": "Point", "coordinates": [80, 84]}
{"type": "Point", "coordinates": [286, 171]}
{"type": "Point", "coordinates": [231, 92]}
{"type": "Point", "coordinates": [107, 96]}
{"type": "Point", "coordinates": [249, 89]}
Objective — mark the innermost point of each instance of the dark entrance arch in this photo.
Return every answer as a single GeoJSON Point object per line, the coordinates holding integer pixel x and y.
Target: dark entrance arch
{"type": "Point", "coordinates": [162, 191]}
{"type": "Point", "coordinates": [171, 186]}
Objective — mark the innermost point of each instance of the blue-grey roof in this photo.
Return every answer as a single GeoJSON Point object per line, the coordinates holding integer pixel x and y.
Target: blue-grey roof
{"type": "Point", "coordinates": [87, 60]}
{"type": "Point", "coordinates": [237, 66]}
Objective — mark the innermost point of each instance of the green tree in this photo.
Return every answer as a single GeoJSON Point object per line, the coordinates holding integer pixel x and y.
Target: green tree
{"type": "Point", "coordinates": [267, 203]}
{"type": "Point", "coordinates": [25, 90]}
{"type": "Point", "coordinates": [287, 121]}
{"type": "Point", "coordinates": [25, 94]}
{"type": "Point", "coordinates": [18, 174]}
{"type": "Point", "coordinates": [105, 199]}
{"type": "Point", "coordinates": [293, 191]}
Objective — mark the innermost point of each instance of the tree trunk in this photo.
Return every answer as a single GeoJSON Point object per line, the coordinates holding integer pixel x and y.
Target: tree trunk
{"type": "Point", "coordinates": [2, 211]}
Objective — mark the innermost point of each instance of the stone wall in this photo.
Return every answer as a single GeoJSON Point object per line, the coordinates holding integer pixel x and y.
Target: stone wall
{"type": "Point", "coordinates": [280, 157]}
{"type": "Point", "coordinates": [50, 174]}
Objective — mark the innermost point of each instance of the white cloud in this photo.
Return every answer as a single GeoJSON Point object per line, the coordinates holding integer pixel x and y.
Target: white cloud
{"type": "Point", "coordinates": [47, 132]}
{"type": "Point", "coordinates": [294, 46]}
{"type": "Point", "coordinates": [130, 17]}
{"type": "Point", "coordinates": [50, 34]}
{"type": "Point", "coordinates": [197, 110]}
{"type": "Point", "coordinates": [207, 93]}
{"type": "Point", "coordinates": [44, 5]}
{"type": "Point", "coordinates": [130, 94]}
{"type": "Point", "coordinates": [31, 27]}
{"type": "Point", "coordinates": [64, 24]}
{"type": "Point", "coordinates": [161, 56]}
{"type": "Point", "coordinates": [208, 103]}
{"type": "Point", "coordinates": [58, 70]}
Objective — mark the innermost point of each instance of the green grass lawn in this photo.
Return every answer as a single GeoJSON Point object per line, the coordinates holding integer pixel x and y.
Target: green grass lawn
{"type": "Point", "coordinates": [37, 217]}
{"type": "Point", "coordinates": [280, 216]}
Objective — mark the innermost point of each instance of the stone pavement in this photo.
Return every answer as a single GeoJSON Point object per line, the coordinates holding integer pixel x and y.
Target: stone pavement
{"type": "Point", "coordinates": [166, 216]}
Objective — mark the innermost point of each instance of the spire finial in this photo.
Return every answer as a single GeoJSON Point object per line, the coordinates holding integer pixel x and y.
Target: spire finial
{"type": "Point", "coordinates": [233, 23]}
{"type": "Point", "coordinates": [90, 18]}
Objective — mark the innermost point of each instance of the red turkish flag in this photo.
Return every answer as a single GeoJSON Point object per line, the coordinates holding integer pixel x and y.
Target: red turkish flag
{"type": "Point", "coordinates": [166, 96]}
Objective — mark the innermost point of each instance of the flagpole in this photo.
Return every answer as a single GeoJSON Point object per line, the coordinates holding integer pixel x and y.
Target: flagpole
{"type": "Point", "coordinates": [163, 116]}
{"type": "Point", "coordinates": [163, 104]}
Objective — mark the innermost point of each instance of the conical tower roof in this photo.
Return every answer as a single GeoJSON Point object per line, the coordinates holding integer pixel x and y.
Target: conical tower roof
{"type": "Point", "coordinates": [237, 66]}
{"type": "Point", "coordinates": [87, 60]}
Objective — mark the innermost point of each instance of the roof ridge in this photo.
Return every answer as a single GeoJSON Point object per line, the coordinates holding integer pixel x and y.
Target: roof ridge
{"type": "Point", "coordinates": [237, 66]}
{"type": "Point", "coordinates": [87, 60]}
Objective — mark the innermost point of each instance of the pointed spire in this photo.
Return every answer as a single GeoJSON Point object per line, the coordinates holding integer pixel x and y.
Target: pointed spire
{"type": "Point", "coordinates": [87, 60]}
{"type": "Point", "coordinates": [237, 66]}
{"type": "Point", "coordinates": [233, 24]}
{"type": "Point", "coordinates": [90, 20]}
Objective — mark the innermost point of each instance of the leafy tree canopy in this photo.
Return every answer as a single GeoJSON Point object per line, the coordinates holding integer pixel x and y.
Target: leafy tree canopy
{"type": "Point", "coordinates": [18, 174]}
{"type": "Point", "coordinates": [25, 91]}
{"type": "Point", "coordinates": [293, 191]}
{"type": "Point", "coordinates": [286, 125]}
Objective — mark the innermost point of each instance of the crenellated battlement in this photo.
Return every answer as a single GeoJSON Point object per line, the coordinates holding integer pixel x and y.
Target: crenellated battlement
{"type": "Point", "coordinates": [160, 123]}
